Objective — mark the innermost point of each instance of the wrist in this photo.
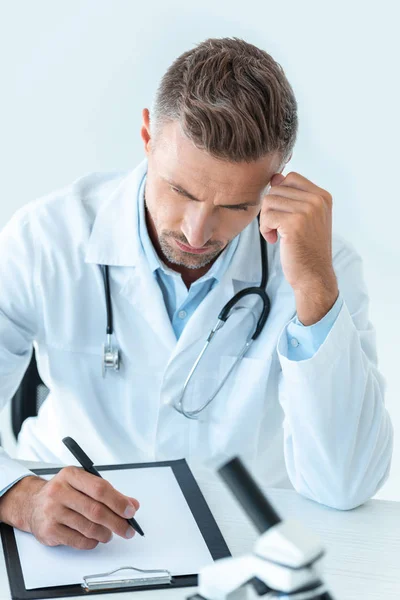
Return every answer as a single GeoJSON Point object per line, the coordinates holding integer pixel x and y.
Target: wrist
{"type": "Point", "coordinates": [316, 300]}
{"type": "Point", "coordinates": [16, 504]}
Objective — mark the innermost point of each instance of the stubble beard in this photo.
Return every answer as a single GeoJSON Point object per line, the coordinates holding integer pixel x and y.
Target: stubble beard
{"type": "Point", "coordinates": [179, 257]}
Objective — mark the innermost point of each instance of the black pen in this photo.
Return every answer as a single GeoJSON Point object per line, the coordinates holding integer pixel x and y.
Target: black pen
{"type": "Point", "coordinates": [87, 464]}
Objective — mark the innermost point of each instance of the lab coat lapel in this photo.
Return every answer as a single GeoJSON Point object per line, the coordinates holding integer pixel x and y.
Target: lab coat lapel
{"type": "Point", "coordinates": [114, 241]}
{"type": "Point", "coordinates": [143, 292]}
{"type": "Point", "coordinates": [114, 236]}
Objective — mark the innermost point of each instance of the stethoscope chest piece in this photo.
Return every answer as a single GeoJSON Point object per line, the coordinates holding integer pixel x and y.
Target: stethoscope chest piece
{"type": "Point", "coordinates": [111, 358]}
{"type": "Point", "coordinates": [111, 354]}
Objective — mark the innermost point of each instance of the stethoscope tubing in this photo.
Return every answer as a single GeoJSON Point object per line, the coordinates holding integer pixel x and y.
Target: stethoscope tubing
{"type": "Point", "coordinates": [111, 354]}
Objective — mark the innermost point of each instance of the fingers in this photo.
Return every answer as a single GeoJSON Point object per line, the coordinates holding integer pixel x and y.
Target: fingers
{"type": "Point", "coordinates": [90, 530]}
{"type": "Point", "coordinates": [297, 181]}
{"type": "Point", "coordinates": [290, 199]}
{"type": "Point", "coordinates": [276, 179]}
{"type": "Point", "coordinates": [271, 236]}
{"type": "Point", "coordinates": [288, 224]}
{"type": "Point", "coordinates": [72, 538]}
{"type": "Point", "coordinates": [280, 203]}
{"type": "Point", "coordinates": [286, 209]}
{"type": "Point", "coordinates": [135, 502]}
{"type": "Point", "coordinates": [98, 513]}
{"type": "Point", "coordinates": [102, 491]}
{"type": "Point", "coordinates": [274, 219]}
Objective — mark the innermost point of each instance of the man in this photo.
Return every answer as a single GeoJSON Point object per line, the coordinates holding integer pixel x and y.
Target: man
{"type": "Point", "coordinates": [180, 236]}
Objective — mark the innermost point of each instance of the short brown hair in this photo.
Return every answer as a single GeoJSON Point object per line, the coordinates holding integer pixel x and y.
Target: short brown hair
{"type": "Point", "coordinates": [231, 99]}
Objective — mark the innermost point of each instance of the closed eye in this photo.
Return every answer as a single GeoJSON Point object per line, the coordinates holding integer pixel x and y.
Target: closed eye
{"type": "Point", "coordinates": [238, 207]}
{"type": "Point", "coordinates": [174, 189]}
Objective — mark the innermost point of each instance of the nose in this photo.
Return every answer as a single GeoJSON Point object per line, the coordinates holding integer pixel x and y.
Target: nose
{"type": "Point", "coordinates": [198, 226]}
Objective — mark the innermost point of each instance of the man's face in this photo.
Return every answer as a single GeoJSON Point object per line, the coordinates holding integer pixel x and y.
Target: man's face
{"type": "Point", "coordinates": [196, 203]}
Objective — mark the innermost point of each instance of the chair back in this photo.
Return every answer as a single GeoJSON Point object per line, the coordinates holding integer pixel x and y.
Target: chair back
{"type": "Point", "coordinates": [28, 398]}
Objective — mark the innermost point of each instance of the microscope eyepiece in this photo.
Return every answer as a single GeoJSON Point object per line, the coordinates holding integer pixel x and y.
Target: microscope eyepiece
{"type": "Point", "coordinates": [249, 494]}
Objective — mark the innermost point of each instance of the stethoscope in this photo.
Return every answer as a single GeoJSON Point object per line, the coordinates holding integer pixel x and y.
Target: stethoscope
{"type": "Point", "coordinates": [111, 353]}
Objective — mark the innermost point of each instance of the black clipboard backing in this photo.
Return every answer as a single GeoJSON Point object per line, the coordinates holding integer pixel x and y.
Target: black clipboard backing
{"type": "Point", "coordinates": [196, 502]}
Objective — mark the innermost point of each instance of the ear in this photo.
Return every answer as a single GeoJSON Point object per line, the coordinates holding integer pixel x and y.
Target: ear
{"type": "Point", "coordinates": [288, 160]}
{"type": "Point", "coordinates": [145, 130]}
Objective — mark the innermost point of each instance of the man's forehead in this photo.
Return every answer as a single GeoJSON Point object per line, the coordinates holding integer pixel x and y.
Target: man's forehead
{"type": "Point", "coordinates": [198, 184]}
{"type": "Point", "coordinates": [179, 159]}
{"type": "Point", "coordinates": [228, 181]}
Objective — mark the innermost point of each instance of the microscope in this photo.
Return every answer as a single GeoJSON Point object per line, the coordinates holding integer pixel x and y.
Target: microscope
{"type": "Point", "coordinates": [286, 560]}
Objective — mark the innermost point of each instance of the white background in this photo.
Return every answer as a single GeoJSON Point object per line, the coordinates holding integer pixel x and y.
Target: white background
{"type": "Point", "coordinates": [75, 76]}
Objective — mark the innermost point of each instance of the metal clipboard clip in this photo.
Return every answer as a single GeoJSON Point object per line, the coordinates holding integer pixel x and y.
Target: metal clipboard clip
{"type": "Point", "coordinates": [103, 581]}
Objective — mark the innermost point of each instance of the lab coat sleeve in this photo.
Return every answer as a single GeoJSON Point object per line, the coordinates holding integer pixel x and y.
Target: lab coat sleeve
{"type": "Point", "coordinates": [18, 321]}
{"type": "Point", "coordinates": [338, 437]}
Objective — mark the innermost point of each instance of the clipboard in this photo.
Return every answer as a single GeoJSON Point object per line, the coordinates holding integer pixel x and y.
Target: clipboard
{"type": "Point", "coordinates": [138, 579]}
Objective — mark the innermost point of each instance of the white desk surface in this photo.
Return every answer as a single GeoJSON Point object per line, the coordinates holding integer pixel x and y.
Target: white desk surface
{"type": "Point", "coordinates": [363, 545]}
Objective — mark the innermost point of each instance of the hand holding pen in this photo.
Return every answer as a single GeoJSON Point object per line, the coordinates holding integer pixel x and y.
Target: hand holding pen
{"type": "Point", "coordinates": [87, 464]}
{"type": "Point", "coordinates": [73, 508]}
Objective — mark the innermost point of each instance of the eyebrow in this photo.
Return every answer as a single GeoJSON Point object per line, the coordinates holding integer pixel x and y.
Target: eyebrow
{"type": "Point", "coordinates": [189, 195]}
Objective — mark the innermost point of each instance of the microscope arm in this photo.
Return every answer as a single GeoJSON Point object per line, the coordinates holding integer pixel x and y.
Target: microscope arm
{"type": "Point", "coordinates": [286, 557]}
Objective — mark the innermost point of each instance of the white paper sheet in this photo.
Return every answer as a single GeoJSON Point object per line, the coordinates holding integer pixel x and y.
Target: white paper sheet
{"type": "Point", "coordinates": [172, 538]}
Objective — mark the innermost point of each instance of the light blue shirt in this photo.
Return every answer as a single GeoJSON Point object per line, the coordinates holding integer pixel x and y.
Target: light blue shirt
{"type": "Point", "coordinates": [304, 341]}
{"type": "Point", "coordinates": [181, 303]}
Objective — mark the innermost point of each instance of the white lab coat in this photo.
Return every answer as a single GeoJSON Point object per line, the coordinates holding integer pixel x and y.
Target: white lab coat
{"type": "Point", "coordinates": [319, 423]}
